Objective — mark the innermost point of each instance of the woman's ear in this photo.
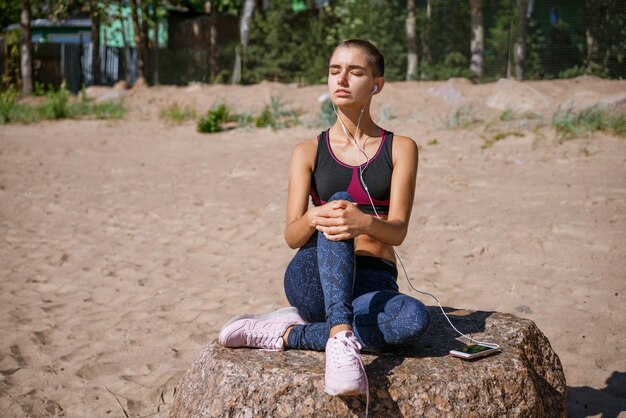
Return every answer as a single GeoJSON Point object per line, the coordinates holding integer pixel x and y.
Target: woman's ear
{"type": "Point", "coordinates": [380, 82]}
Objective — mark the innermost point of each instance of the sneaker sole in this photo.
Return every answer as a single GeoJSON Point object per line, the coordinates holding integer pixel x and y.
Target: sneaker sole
{"type": "Point", "coordinates": [281, 312]}
{"type": "Point", "coordinates": [355, 392]}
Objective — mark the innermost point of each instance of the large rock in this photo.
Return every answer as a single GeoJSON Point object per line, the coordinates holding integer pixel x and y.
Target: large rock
{"type": "Point", "coordinates": [517, 96]}
{"type": "Point", "coordinates": [525, 380]}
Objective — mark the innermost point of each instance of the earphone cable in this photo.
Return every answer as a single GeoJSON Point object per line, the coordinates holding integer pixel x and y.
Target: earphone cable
{"type": "Point", "coordinates": [406, 275]}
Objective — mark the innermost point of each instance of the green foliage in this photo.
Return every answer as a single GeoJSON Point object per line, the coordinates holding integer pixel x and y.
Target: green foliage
{"type": "Point", "coordinates": [40, 89]}
{"type": "Point", "coordinates": [9, 12]}
{"type": "Point", "coordinates": [244, 119]}
{"type": "Point", "coordinates": [578, 70]}
{"type": "Point", "coordinates": [281, 55]}
{"type": "Point", "coordinates": [454, 64]}
{"type": "Point", "coordinates": [300, 54]}
{"type": "Point", "coordinates": [327, 116]}
{"type": "Point", "coordinates": [7, 103]}
{"type": "Point", "coordinates": [214, 119]}
{"type": "Point", "coordinates": [57, 105]}
{"type": "Point", "coordinates": [178, 114]}
{"type": "Point", "coordinates": [11, 74]}
{"type": "Point", "coordinates": [433, 141]}
{"type": "Point", "coordinates": [108, 110]}
{"type": "Point", "coordinates": [569, 124]}
{"type": "Point", "coordinates": [463, 117]}
{"type": "Point", "coordinates": [386, 114]}
{"type": "Point", "coordinates": [498, 137]}
{"type": "Point", "coordinates": [507, 115]}
{"type": "Point", "coordinates": [275, 117]}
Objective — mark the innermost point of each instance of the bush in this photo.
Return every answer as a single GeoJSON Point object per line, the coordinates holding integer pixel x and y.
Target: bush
{"type": "Point", "coordinates": [7, 103]}
{"type": "Point", "coordinates": [56, 106]}
{"type": "Point", "coordinates": [274, 117]}
{"type": "Point", "coordinates": [214, 119]}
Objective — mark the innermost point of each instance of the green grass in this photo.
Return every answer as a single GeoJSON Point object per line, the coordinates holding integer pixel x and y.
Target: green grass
{"type": "Point", "coordinates": [108, 110]}
{"type": "Point", "coordinates": [244, 119]}
{"type": "Point", "coordinates": [57, 105]}
{"type": "Point", "coordinates": [569, 124]}
{"type": "Point", "coordinates": [177, 114]}
{"type": "Point", "coordinates": [499, 136]}
{"type": "Point", "coordinates": [386, 114]}
{"type": "Point", "coordinates": [463, 117]}
{"type": "Point", "coordinates": [274, 116]}
{"type": "Point", "coordinates": [327, 116]}
{"type": "Point", "coordinates": [214, 119]}
{"type": "Point", "coordinates": [8, 99]}
{"type": "Point", "coordinates": [508, 114]}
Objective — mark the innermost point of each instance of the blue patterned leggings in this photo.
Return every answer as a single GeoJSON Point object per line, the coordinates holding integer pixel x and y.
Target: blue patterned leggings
{"type": "Point", "coordinates": [330, 286]}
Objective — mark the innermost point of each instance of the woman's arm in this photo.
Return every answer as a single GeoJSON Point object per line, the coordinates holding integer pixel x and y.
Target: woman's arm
{"type": "Point", "coordinates": [342, 220]}
{"type": "Point", "coordinates": [299, 227]}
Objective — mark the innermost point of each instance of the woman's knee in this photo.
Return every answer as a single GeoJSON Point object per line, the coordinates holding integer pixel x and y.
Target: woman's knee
{"type": "Point", "coordinates": [416, 316]}
{"type": "Point", "coordinates": [408, 320]}
{"type": "Point", "coordinates": [341, 196]}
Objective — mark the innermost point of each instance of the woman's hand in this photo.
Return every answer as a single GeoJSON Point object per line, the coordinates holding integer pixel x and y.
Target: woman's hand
{"type": "Point", "coordinates": [339, 220]}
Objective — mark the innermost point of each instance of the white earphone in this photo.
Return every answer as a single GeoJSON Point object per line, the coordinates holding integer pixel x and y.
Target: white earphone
{"type": "Point", "coordinates": [374, 90]}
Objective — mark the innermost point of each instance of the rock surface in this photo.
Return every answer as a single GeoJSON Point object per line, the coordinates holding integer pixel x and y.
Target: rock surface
{"type": "Point", "coordinates": [525, 380]}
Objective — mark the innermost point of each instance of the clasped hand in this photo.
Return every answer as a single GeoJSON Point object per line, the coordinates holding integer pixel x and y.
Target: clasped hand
{"type": "Point", "coordinates": [339, 220]}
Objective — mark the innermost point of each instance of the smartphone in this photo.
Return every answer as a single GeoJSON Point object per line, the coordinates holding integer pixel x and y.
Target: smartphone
{"type": "Point", "coordinates": [473, 351]}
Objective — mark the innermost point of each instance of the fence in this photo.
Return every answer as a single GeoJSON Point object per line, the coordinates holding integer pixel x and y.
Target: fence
{"type": "Point", "coordinates": [563, 38]}
{"type": "Point", "coordinates": [72, 63]}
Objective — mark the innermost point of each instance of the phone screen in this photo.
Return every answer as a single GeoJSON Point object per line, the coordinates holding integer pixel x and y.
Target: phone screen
{"type": "Point", "coordinates": [473, 349]}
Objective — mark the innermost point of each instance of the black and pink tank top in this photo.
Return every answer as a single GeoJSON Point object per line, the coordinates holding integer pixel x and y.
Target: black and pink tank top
{"type": "Point", "coordinates": [331, 176]}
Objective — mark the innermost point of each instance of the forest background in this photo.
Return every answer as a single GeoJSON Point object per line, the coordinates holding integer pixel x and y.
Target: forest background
{"type": "Point", "coordinates": [281, 40]}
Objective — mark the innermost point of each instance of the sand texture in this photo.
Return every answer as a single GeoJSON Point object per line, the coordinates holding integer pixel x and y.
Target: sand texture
{"type": "Point", "coordinates": [124, 245]}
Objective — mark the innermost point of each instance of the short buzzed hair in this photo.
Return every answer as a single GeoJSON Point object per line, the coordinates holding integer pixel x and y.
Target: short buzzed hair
{"type": "Point", "coordinates": [374, 56]}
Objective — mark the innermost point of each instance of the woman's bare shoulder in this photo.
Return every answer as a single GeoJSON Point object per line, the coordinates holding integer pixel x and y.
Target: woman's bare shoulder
{"type": "Point", "coordinates": [404, 144]}
{"type": "Point", "coordinates": [305, 150]}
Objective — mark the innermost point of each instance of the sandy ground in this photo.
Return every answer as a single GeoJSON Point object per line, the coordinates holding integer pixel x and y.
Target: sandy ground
{"type": "Point", "coordinates": [125, 245]}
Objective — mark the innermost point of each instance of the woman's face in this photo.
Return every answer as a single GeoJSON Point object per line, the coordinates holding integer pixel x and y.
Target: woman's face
{"type": "Point", "coordinates": [350, 78]}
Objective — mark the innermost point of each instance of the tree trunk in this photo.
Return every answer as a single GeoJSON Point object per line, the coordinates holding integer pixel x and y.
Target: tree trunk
{"type": "Point", "coordinates": [95, 44]}
{"type": "Point", "coordinates": [140, 69]}
{"type": "Point", "coordinates": [520, 46]}
{"type": "Point", "coordinates": [26, 51]}
{"type": "Point", "coordinates": [244, 30]}
{"type": "Point", "coordinates": [213, 45]}
{"type": "Point", "coordinates": [144, 27]}
{"type": "Point", "coordinates": [411, 41]}
{"type": "Point", "coordinates": [127, 75]}
{"type": "Point", "coordinates": [426, 52]}
{"type": "Point", "coordinates": [147, 45]}
{"type": "Point", "coordinates": [478, 40]}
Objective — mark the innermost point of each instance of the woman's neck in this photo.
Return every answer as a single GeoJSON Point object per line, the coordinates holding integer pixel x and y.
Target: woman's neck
{"type": "Point", "coordinates": [350, 119]}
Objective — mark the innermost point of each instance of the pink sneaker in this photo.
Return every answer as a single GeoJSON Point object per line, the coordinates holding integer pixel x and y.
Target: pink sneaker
{"type": "Point", "coordinates": [345, 374]}
{"type": "Point", "coordinates": [259, 331]}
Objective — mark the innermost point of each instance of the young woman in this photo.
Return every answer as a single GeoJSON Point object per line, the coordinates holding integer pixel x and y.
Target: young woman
{"type": "Point", "coordinates": [341, 283]}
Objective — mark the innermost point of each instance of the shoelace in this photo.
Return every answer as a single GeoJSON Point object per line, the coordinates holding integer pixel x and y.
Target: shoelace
{"type": "Point", "coordinates": [267, 340]}
{"type": "Point", "coordinates": [352, 346]}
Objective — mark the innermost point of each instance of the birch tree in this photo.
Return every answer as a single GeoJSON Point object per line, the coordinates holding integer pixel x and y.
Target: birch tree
{"type": "Point", "coordinates": [477, 39]}
{"type": "Point", "coordinates": [411, 68]}
{"type": "Point", "coordinates": [520, 45]}
{"type": "Point", "coordinates": [244, 29]}
{"type": "Point", "coordinates": [26, 56]}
